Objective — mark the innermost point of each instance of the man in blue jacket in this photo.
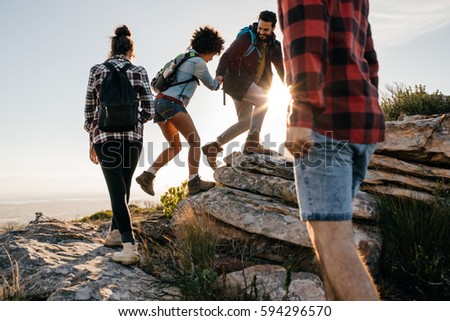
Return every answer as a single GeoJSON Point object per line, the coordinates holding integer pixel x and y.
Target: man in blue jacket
{"type": "Point", "coordinates": [246, 71]}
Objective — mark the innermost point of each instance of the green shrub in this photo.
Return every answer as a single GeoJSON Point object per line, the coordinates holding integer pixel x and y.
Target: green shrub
{"type": "Point", "coordinates": [172, 197]}
{"type": "Point", "coordinates": [196, 240]}
{"type": "Point", "coordinates": [195, 248]}
{"type": "Point", "coordinates": [401, 100]}
{"type": "Point", "coordinates": [98, 216]}
{"type": "Point", "coordinates": [416, 253]}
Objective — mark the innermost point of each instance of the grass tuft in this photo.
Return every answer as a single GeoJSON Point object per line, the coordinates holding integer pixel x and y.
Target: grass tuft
{"type": "Point", "coordinates": [416, 251]}
{"type": "Point", "coordinates": [11, 290]}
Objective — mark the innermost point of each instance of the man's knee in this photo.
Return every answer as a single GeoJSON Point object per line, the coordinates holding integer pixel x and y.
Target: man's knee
{"type": "Point", "coordinates": [244, 124]}
{"type": "Point", "coordinates": [262, 101]}
{"type": "Point", "coordinates": [327, 234]}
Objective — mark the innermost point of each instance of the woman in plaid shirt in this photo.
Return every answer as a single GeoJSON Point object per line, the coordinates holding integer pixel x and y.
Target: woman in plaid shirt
{"type": "Point", "coordinates": [118, 152]}
{"type": "Point", "coordinates": [335, 118]}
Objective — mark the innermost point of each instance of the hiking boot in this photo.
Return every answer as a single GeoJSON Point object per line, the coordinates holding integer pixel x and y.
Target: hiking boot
{"type": "Point", "coordinates": [113, 239]}
{"type": "Point", "coordinates": [210, 151]}
{"type": "Point", "coordinates": [128, 255]}
{"type": "Point", "coordinates": [196, 185]}
{"type": "Point", "coordinates": [145, 180]}
{"type": "Point", "coordinates": [252, 146]}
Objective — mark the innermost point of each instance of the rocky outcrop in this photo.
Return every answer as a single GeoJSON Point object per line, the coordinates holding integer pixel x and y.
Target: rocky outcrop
{"type": "Point", "coordinates": [257, 195]}
{"type": "Point", "coordinates": [414, 161]}
{"type": "Point", "coordinates": [66, 261]}
{"type": "Point", "coordinates": [257, 192]}
{"type": "Point", "coordinates": [419, 139]}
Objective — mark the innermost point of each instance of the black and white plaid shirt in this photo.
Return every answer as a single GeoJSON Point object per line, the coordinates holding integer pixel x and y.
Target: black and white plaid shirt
{"type": "Point", "coordinates": [139, 80]}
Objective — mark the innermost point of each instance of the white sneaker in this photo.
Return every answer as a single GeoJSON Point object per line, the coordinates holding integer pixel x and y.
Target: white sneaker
{"type": "Point", "coordinates": [113, 239]}
{"type": "Point", "coordinates": [128, 255]}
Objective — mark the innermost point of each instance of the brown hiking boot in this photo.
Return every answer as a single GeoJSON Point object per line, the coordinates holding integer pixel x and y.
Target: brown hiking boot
{"type": "Point", "coordinates": [252, 146]}
{"type": "Point", "coordinates": [196, 185]}
{"type": "Point", "coordinates": [145, 180]}
{"type": "Point", "coordinates": [210, 151]}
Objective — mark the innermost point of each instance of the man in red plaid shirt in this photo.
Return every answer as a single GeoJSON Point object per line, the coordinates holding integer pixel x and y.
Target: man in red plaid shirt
{"type": "Point", "coordinates": [333, 125]}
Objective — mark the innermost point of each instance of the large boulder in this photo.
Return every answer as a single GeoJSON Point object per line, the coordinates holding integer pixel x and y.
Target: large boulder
{"type": "Point", "coordinates": [419, 140]}
{"type": "Point", "coordinates": [268, 282]}
{"type": "Point", "coordinates": [414, 161]}
{"type": "Point", "coordinates": [257, 195]}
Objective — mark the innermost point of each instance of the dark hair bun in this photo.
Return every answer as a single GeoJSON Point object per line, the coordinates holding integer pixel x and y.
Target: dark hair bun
{"type": "Point", "coordinates": [123, 32]}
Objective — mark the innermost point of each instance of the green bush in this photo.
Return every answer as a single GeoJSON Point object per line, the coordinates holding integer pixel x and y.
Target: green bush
{"type": "Point", "coordinates": [98, 216]}
{"type": "Point", "coordinates": [401, 100]}
{"type": "Point", "coordinates": [172, 197]}
{"type": "Point", "coordinates": [195, 248]}
{"type": "Point", "coordinates": [416, 252]}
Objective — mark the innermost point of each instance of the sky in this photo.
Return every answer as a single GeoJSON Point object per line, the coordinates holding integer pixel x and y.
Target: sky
{"type": "Point", "coordinates": [48, 47]}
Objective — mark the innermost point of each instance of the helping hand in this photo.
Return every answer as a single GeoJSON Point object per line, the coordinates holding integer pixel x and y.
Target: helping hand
{"type": "Point", "coordinates": [219, 79]}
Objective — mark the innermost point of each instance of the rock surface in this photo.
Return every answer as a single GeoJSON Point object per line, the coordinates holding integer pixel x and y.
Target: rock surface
{"type": "Point", "coordinates": [270, 283]}
{"type": "Point", "coordinates": [414, 161]}
{"type": "Point", "coordinates": [66, 261]}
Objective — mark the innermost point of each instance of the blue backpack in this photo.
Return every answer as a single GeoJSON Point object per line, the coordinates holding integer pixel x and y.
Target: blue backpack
{"type": "Point", "coordinates": [253, 45]}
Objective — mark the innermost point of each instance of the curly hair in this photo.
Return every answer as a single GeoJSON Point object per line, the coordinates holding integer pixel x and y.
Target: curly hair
{"type": "Point", "coordinates": [207, 40]}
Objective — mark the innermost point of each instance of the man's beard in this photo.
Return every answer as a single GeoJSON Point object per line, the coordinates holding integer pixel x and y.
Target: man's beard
{"type": "Point", "coordinates": [266, 37]}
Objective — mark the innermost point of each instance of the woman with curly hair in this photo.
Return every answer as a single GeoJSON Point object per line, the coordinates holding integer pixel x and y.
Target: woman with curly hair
{"type": "Point", "coordinates": [171, 114]}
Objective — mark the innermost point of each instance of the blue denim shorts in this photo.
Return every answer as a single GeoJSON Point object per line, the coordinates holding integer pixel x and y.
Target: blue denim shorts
{"type": "Point", "coordinates": [328, 178]}
{"type": "Point", "coordinates": [165, 109]}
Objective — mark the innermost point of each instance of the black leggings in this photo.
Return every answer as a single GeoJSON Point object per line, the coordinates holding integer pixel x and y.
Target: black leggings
{"type": "Point", "coordinates": [118, 160]}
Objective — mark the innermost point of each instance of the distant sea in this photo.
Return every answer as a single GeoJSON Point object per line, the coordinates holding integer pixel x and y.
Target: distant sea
{"type": "Point", "coordinates": [23, 211]}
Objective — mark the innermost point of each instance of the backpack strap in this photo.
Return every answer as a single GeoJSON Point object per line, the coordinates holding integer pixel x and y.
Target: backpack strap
{"type": "Point", "coordinates": [185, 82]}
{"type": "Point", "coordinates": [188, 55]}
{"type": "Point", "coordinates": [126, 67]}
{"type": "Point", "coordinates": [252, 43]}
{"type": "Point", "coordinates": [253, 40]}
{"type": "Point", "coordinates": [111, 67]}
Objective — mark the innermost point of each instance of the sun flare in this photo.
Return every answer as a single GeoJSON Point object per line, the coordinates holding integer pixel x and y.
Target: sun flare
{"type": "Point", "coordinates": [275, 120]}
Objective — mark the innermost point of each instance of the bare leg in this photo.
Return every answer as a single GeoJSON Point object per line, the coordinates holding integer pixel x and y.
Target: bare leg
{"type": "Point", "coordinates": [183, 122]}
{"type": "Point", "coordinates": [346, 276]}
{"type": "Point", "coordinates": [173, 138]}
{"type": "Point", "coordinates": [329, 294]}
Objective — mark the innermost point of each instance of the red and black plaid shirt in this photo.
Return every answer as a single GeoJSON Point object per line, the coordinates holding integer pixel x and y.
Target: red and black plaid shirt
{"type": "Point", "coordinates": [139, 80]}
{"type": "Point", "coordinates": [332, 68]}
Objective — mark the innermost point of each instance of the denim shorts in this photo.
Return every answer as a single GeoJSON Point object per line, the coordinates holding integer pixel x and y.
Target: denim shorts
{"type": "Point", "coordinates": [328, 178]}
{"type": "Point", "coordinates": [165, 109]}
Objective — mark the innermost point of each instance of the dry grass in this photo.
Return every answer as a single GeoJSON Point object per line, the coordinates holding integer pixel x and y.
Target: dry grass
{"type": "Point", "coordinates": [11, 226]}
{"type": "Point", "coordinates": [11, 290]}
